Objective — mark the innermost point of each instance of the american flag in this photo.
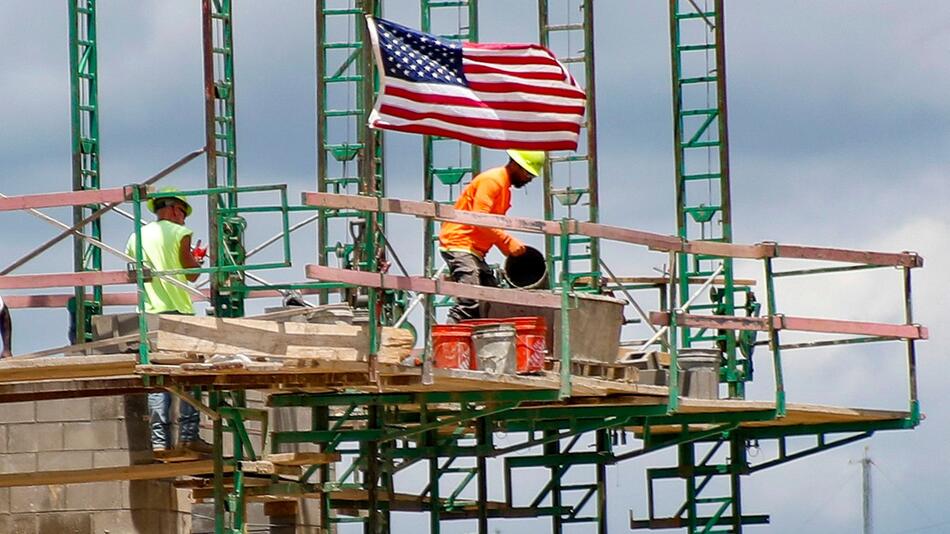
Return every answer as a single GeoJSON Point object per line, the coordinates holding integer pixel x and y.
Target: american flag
{"type": "Point", "coordinates": [497, 95]}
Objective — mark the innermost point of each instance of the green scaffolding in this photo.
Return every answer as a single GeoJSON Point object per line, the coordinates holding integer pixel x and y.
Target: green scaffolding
{"type": "Point", "coordinates": [377, 437]}
{"type": "Point", "coordinates": [84, 115]}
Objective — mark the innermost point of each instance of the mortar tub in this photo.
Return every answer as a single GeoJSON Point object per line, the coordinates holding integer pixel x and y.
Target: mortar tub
{"type": "Point", "coordinates": [527, 271]}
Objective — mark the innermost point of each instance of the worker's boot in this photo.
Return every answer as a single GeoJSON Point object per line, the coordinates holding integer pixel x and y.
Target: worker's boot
{"type": "Point", "coordinates": [200, 446]}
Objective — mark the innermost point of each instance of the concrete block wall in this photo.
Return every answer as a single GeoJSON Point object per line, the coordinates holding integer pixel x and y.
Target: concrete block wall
{"type": "Point", "coordinates": [84, 433]}
{"type": "Point", "coordinates": [112, 431]}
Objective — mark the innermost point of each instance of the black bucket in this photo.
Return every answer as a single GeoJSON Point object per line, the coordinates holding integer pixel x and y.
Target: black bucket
{"type": "Point", "coordinates": [527, 271]}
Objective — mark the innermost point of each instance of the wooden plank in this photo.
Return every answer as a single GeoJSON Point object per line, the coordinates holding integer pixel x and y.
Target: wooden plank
{"type": "Point", "coordinates": [651, 240]}
{"type": "Point", "coordinates": [263, 467]}
{"type": "Point", "coordinates": [122, 298]}
{"type": "Point", "coordinates": [211, 335]}
{"type": "Point", "coordinates": [67, 198]}
{"type": "Point", "coordinates": [80, 347]}
{"type": "Point", "coordinates": [37, 281]}
{"type": "Point", "coordinates": [420, 284]}
{"type": "Point", "coordinates": [802, 324]}
{"type": "Point", "coordinates": [303, 458]}
{"type": "Point", "coordinates": [102, 474]}
{"type": "Point", "coordinates": [57, 368]}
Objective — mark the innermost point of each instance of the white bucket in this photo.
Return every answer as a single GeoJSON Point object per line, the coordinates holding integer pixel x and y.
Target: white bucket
{"type": "Point", "coordinates": [495, 348]}
{"type": "Point", "coordinates": [700, 375]}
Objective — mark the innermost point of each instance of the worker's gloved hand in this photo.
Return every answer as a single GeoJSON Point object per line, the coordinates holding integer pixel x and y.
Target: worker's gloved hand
{"type": "Point", "coordinates": [516, 248]}
{"type": "Point", "coordinates": [199, 252]}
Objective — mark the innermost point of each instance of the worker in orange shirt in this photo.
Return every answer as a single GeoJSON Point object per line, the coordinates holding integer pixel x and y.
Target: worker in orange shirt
{"type": "Point", "coordinates": [463, 247]}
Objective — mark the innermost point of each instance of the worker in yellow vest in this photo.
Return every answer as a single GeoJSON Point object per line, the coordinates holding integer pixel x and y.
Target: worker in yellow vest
{"type": "Point", "coordinates": [166, 246]}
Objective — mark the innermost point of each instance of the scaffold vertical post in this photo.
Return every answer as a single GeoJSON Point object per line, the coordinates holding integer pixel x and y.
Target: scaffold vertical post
{"type": "Point", "coordinates": [911, 349]}
{"type": "Point", "coordinates": [562, 196]}
{"type": "Point", "coordinates": [225, 234]}
{"type": "Point", "coordinates": [774, 342]}
{"type": "Point", "coordinates": [446, 161]}
{"type": "Point", "coordinates": [84, 117]}
{"type": "Point", "coordinates": [602, 442]}
{"type": "Point", "coordinates": [701, 156]}
{"type": "Point", "coordinates": [482, 440]}
{"type": "Point", "coordinates": [565, 281]}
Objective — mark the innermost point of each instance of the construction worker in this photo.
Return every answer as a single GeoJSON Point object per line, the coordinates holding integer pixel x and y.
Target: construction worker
{"type": "Point", "coordinates": [166, 246]}
{"type": "Point", "coordinates": [6, 330]}
{"type": "Point", "coordinates": [463, 247]}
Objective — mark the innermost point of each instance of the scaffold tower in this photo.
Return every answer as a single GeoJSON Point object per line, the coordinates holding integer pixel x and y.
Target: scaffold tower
{"type": "Point", "coordinates": [84, 105]}
{"type": "Point", "coordinates": [447, 162]}
{"type": "Point", "coordinates": [570, 178]}
{"type": "Point", "coordinates": [225, 233]}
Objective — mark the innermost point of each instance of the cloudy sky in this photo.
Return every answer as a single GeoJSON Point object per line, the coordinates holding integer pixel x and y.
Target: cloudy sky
{"type": "Point", "coordinates": [839, 133]}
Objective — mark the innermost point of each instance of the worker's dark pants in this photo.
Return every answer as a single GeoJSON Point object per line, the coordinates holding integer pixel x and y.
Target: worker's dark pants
{"type": "Point", "coordinates": [467, 268]}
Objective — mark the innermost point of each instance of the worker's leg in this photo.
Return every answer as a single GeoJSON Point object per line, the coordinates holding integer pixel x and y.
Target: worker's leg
{"type": "Point", "coordinates": [467, 268]}
{"type": "Point", "coordinates": [187, 422]}
{"type": "Point", "coordinates": [158, 406]}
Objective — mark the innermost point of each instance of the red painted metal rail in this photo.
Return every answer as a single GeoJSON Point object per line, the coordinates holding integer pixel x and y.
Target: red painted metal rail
{"type": "Point", "coordinates": [68, 198]}
{"type": "Point", "coordinates": [37, 281]}
{"type": "Point", "coordinates": [802, 324]}
{"type": "Point", "coordinates": [652, 240]}
{"type": "Point", "coordinates": [420, 284]}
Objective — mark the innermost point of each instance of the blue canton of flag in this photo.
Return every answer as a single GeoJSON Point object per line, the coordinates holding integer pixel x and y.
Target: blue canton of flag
{"type": "Point", "coordinates": [419, 57]}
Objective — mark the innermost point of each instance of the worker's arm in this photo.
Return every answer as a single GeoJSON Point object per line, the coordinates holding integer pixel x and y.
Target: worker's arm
{"type": "Point", "coordinates": [187, 259]}
{"type": "Point", "coordinates": [485, 196]}
{"type": "Point", "coordinates": [6, 330]}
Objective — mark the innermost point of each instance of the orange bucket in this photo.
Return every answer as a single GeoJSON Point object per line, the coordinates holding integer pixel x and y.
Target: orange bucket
{"type": "Point", "coordinates": [452, 346]}
{"type": "Point", "coordinates": [529, 350]}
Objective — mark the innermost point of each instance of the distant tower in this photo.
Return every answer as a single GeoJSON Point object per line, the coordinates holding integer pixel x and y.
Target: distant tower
{"type": "Point", "coordinates": [866, 491]}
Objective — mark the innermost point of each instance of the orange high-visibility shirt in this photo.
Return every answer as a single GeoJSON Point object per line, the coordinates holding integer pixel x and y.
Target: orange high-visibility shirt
{"type": "Point", "coordinates": [489, 192]}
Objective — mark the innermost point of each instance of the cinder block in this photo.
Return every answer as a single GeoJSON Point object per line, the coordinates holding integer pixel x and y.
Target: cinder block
{"type": "Point", "coordinates": [61, 460]}
{"type": "Point", "coordinates": [38, 499]}
{"type": "Point", "coordinates": [96, 435]}
{"type": "Point", "coordinates": [24, 523]}
{"type": "Point", "coordinates": [181, 500]}
{"type": "Point", "coordinates": [33, 437]}
{"type": "Point", "coordinates": [18, 463]}
{"type": "Point", "coordinates": [175, 523]}
{"type": "Point", "coordinates": [18, 412]}
{"type": "Point", "coordinates": [118, 458]}
{"type": "Point", "coordinates": [105, 408]}
{"type": "Point", "coordinates": [63, 410]}
{"type": "Point", "coordinates": [4, 501]}
{"type": "Point", "coordinates": [95, 496]}
{"type": "Point", "coordinates": [71, 523]}
{"type": "Point", "coordinates": [116, 522]}
{"type": "Point", "coordinates": [158, 495]}
{"type": "Point", "coordinates": [3, 438]}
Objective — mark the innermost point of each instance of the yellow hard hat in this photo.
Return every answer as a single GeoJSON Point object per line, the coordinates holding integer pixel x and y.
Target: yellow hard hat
{"type": "Point", "coordinates": [150, 204]}
{"type": "Point", "coordinates": [530, 160]}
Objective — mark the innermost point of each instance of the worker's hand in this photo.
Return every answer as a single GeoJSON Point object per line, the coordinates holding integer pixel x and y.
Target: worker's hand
{"type": "Point", "coordinates": [517, 248]}
{"type": "Point", "coordinates": [199, 252]}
